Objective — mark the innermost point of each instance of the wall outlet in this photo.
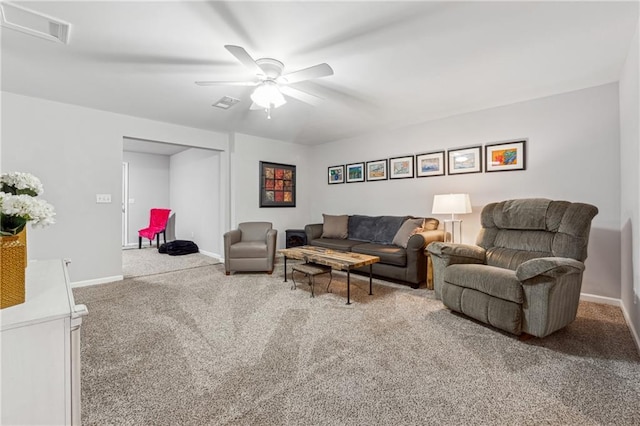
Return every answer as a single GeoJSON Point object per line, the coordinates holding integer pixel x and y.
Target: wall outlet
{"type": "Point", "coordinates": [103, 198]}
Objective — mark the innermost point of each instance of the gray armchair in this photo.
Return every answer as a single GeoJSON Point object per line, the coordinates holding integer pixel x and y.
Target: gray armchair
{"type": "Point", "coordinates": [251, 247]}
{"type": "Point", "coordinates": [525, 274]}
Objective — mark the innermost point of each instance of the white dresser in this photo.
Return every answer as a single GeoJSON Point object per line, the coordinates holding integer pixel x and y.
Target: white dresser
{"type": "Point", "coordinates": [40, 348]}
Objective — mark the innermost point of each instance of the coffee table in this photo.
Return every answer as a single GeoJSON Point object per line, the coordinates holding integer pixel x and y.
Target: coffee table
{"type": "Point", "coordinates": [339, 260]}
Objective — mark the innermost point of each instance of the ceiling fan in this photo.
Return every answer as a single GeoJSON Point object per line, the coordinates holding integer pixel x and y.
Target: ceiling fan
{"type": "Point", "coordinates": [271, 82]}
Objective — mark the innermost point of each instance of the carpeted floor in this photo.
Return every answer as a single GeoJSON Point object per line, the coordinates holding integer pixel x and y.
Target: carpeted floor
{"type": "Point", "coordinates": [196, 347]}
{"type": "Point", "coordinates": [147, 261]}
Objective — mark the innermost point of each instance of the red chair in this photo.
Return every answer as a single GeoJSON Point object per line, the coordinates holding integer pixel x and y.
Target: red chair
{"type": "Point", "coordinates": [157, 226]}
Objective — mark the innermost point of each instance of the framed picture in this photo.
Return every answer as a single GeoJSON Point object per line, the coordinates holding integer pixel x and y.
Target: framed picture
{"type": "Point", "coordinates": [430, 164]}
{"type": "Point", "coordinates": [465, 160]}
{"type": "Point", "coordinates": [277, 185]}
{"type": "Point", "coordinates": [505, 156]}
{"type": "Point", "coordinates": [401, 167]}
{"type": "Point", "coordinates": [336, 174]}
{"type": "Point", "coordinates": [355, 172]}
{"type": "Point", "coordinates": [377, 170]}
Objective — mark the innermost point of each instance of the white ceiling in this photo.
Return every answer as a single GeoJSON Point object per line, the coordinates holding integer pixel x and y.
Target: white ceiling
{"type": "Point", "coordinates": [395, 63]}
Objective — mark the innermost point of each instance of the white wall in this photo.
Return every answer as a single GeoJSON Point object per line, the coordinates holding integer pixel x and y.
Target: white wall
{"type": "Point", "coordinates": [246, 155]}
{"type": "Point", "coordinates": [148, 188]}
{"type": "Point", "coordinates": [630, 184]}
{"type": "Point", "coordinates": [573, 153]}
{"type": "Point", "coordinates": [195, 192]}
{"type": "Point", "coordinates": [77, 153]}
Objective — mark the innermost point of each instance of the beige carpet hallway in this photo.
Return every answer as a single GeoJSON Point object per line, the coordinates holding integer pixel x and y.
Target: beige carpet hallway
{"type": "Point", "coordinates": [196, 347]}
{"type": "Point", "coordinates": [147, 261]}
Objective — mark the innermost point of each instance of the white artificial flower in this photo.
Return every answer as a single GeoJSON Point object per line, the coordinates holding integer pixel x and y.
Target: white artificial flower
{"type": "Point", "coordinates": [18, 182]}
{"type": "Point", "coordinates": [27, 208]}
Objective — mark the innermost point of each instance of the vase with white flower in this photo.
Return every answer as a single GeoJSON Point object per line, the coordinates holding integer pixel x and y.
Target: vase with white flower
{"type": "Point", "coordinates": [18, 206]}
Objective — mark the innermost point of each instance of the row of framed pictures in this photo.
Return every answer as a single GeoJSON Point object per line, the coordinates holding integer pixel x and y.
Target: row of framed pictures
{"type": "Point", "coordinates": [504, 156]}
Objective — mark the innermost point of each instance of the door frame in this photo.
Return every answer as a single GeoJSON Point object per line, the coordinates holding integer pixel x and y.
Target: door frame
{"type": "Point", "coordinates": [125, 203]}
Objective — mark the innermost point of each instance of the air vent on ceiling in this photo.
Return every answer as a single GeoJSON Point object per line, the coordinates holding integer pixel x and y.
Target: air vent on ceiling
{"type": "Point", "coordinates": [226, 102]}
{"type": "Point", "coordinates": [34, 23]}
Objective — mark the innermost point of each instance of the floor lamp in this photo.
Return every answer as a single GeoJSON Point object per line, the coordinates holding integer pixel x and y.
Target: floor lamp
{"type": "Point", "coordinates": [452, 204]}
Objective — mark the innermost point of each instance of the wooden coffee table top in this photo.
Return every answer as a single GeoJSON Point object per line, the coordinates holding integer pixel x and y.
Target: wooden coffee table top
{"type": "Point", "coordinates": [336, 259]}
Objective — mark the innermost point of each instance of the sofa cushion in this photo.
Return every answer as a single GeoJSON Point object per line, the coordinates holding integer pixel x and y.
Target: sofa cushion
{"type": "Point", "coordinates": [254, 231]}
{"type": "Point", "coordinates": [510, 258]}
{"type": "Point", "coordinates": [388, 254]}
{"type": "Point", "coordinates": [248, 250]}
{"type": "Point", "coordinates": [375, 229]}
{"type": "Point", "coordinates": [528, 214]}
{"type": "Point", "coordinates": [335, 243]}
{"type": "Point", "coordinates": [335, 226]}
{"type": "Point", "coordinates": [408, 228]}
{"type": "Point", "coordinates": [497, 282]}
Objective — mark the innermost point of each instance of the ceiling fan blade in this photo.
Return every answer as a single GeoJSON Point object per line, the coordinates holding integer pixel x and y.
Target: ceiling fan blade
{"type": "Point", "coordinates": [316, 71]}
{"type": "Point", "coordinates": [227, 83]}
{"type": "Point", "coordinates": [244, 58]}
{"type": "Point", "coordinates": [305, 97]}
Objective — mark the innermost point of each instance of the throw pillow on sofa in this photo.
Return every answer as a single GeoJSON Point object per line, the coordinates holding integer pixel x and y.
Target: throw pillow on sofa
{"type": "Point", "coordinates": [408, 228]}
{"type": "Point", "coordinates": [335, 226]}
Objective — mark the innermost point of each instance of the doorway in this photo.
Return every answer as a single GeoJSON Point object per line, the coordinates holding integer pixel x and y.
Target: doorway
{"type": "Point", "coordinates": [183, 178]}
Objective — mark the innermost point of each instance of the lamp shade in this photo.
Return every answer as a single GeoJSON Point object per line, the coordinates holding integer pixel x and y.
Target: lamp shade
{"type": "Point", "coordinates": [451, 204]}
{"type": "Point", "coordinates": [267, 95]}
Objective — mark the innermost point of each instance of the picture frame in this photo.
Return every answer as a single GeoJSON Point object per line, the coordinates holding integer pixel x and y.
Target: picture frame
{"type": "Point", "coordinates": [277, 185]}
{"type": "Point", "coordinates": [354, 172]}
{"type": "Point", "coordinates": [430, 164]}
{"type": "Point", "coordinates": [465, 160]}
{"type": "Point", "coordinates": [335, 174]}
{"type": "Point", "coordinates": [401, 167]}
{"type": "Point", "coordinates": [505, 156]}
{"type": "Point", "coordinates": [377, 170]}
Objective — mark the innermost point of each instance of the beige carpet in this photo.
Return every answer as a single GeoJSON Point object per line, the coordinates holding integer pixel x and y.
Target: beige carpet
{"type": "Point", "coordinates": [196, 347]}
{"type": "Point", "coordinates": [147, 261]}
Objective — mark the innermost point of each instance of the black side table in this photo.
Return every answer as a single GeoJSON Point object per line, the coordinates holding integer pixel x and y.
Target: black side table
{"type": "Point", "coordinates": [295, 238]}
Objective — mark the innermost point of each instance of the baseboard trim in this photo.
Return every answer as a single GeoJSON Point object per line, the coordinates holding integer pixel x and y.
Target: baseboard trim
{"type": "Point", "coordinates": [600, 299]}
{"type": "Point", "coordinates": [214, 255]}
{"type": "Point", "coordinates": [615, 302]}
{"type": "Point", "coordinates": [96, 281]}
{"type": "Point", "coordinates": [634, 332]}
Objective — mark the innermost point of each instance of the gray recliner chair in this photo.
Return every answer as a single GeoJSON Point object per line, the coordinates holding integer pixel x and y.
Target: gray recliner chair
{"type": "Point", "coordinates": [525, 274]}
{"type": "Point", "coordinates": [251, 247]}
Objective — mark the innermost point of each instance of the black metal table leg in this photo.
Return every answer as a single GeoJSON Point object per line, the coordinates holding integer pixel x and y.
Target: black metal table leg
{"type": "Point", "coordinates": [348, 286]}
{"type": "Point", "coordinates": [370, 280]}
{"type": "Point", "coordinates": [285, 269]}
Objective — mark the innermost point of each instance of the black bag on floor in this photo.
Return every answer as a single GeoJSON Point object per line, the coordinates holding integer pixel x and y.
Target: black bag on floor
{"type": "Point", "coordinates": [178, 248]}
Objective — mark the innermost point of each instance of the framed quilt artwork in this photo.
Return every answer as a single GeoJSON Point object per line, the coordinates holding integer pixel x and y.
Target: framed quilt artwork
{"type": "Point", "coordinates": [430, 164]}
{"type": "Point", "coordinates": [505, 156]}
{"type": "Point", "coordinates": [277, 185]}
{"type": "Point", "coordinates": [401, 167]}
{"type": "Point", "coordinates": [465, 160]}
{"type": "Point", "coordinates": [336, 174]}
{"type": "Point", "coordinates": [355, 172]}
{"type": "Point", "coordinates": [377, 170]}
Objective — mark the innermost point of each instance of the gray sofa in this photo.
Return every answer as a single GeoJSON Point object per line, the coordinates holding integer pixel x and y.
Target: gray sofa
{"type": "Point", "coordinates": [397, 240]}
{"type": "Point", "coordinates": [525, 274]}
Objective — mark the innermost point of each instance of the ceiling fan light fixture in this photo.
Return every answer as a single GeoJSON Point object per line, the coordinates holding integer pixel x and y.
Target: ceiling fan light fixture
{"type": "Point", "coordinates": [268, 95]}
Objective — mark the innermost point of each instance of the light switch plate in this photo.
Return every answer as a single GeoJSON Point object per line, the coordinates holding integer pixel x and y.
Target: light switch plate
{"type": "Point", "coordinates": [103, 198]}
